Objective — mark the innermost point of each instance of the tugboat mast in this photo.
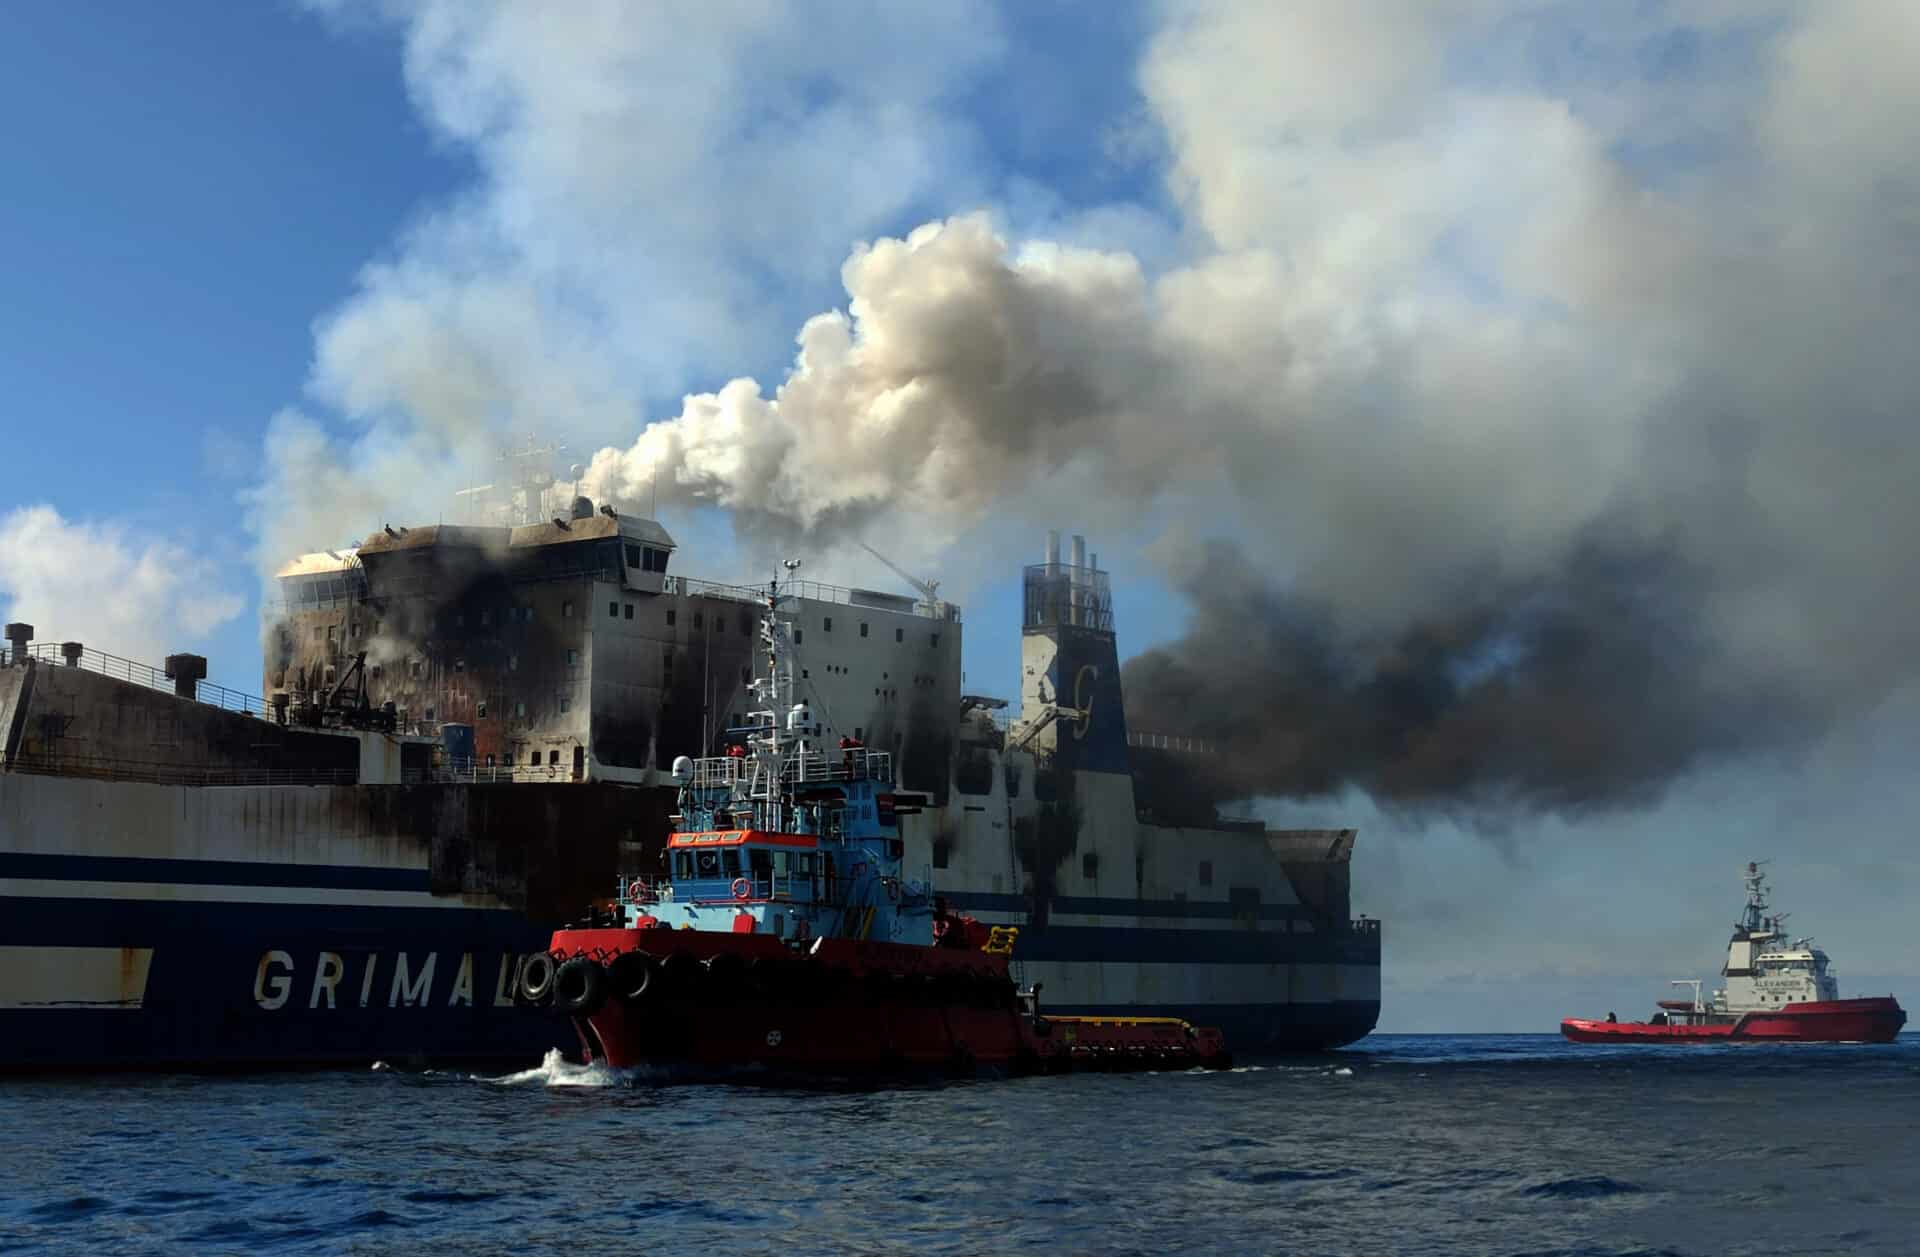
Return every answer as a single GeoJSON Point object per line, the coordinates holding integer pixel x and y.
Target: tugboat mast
{"type": "Point", "coordinates": [1756, 880]}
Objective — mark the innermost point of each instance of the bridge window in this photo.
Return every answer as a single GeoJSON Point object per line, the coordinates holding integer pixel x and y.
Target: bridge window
{"type": "Point", "coordinates": [1090, 865]}
{"type": "Point", "coordinates": [899, 635]}
{"type": "Point", "coordinates": [613, 610]}
{"type": "Point", "coordinates": [863, 628]}
{"type": "Point", "coordinates": [826, 624]}
{"type": "Point", "coordinates": [1206, 872]}
{"type": "Point", "coordinates": [698, 619]}
{"type": "Point", "coordinates": [796, 637]}
{"type": "Point", "coordinates": [633, 555]}
{"type": "Point", "coordinates": [936, 639]}
{"type": "Point", "coordinates": [670, 615]}
{"type": "Point", "coordinates": [566, 610]}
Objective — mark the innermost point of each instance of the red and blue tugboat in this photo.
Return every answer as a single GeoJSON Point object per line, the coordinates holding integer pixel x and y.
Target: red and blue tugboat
{"type": "Point", "coordinates": [786, 936]}
{"type": "Point", "coordinates": [1778, 989]}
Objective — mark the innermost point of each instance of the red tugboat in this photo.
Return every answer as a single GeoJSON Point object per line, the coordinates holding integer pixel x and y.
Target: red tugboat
{"type": "Point", "coordinates": [786, 938]}
{"type": "Point", "coordinates": [1778, 990]}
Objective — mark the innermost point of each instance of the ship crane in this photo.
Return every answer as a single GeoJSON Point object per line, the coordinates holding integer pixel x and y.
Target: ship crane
{"type": "Point", "coordinates": [929, 589]}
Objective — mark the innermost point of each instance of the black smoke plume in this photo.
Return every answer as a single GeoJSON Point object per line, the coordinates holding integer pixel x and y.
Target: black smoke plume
{"type": "Point", "coordinates": [1589, 689]}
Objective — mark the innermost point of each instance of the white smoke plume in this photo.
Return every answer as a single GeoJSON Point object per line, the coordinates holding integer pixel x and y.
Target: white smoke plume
{"type": "Point", "coordinates": [98, 583]}
{"type": "Point", "coordinates": [619, 236]}
{"type": "Point", "coordinates": [1490, 318]}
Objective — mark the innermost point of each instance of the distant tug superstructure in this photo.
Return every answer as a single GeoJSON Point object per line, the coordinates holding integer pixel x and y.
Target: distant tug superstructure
{"type": "Point", "coordinates": [1777, 988]}
{"type": "Point", "coordinates": [471, 732]}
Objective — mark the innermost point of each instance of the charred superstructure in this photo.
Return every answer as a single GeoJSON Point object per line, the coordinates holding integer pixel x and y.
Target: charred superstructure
{"type": "Point", "coordinates": [567, 650]}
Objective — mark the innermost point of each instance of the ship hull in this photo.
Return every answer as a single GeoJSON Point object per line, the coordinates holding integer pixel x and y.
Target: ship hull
{"type": "Point", "coordinates": [744, 1003]}
{"type": "Point", "coordinates": [1875, 1020]}
{"type": "Point", "coordinates": [225, 985]}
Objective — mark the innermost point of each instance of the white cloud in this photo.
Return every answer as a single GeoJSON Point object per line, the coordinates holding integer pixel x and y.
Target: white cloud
{"type": "Point", "coordinates": [101, 583]}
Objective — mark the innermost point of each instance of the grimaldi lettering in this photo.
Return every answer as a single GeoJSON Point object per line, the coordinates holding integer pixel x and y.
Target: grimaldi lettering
{"type": "Point", "coordinates": [331, 980]}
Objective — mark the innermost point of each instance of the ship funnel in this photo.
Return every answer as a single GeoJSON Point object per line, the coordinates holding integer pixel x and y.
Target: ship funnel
{"type": "Point", "coordinates": [1053, 548]}
{"type": "Point", "coordinates": [19, 635]}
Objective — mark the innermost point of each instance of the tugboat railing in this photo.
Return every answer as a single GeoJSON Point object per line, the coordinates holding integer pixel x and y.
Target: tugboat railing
{"type": "Point", "coordinates": [854, 764]}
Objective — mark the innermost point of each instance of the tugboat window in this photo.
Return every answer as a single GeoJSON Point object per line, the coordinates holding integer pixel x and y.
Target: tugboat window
{"type": "Point", "coordinates": [709, 863]}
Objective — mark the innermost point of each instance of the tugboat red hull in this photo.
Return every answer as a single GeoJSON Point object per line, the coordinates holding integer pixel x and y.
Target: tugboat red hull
{"type": "Point", "coordinates": [845, 1009]}
{"type": "Point", "coordinates": [1875, 1020]}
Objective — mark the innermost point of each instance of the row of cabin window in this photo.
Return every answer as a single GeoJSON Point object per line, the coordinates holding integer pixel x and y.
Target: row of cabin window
{"type": "Point", "coordinates": [519, 711]}
{"type": "Point", "coordinates": [826, 626]}
{"type": "Point", "coordinates": [725, 863]}
{"type": "Point", "coordinates": [646, 558]}
{"type": "Point", "coordinates": [533, 759]}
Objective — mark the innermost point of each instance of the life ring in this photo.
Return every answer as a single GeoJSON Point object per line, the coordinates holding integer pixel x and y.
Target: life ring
{"type": "Point", "coordinates": [741, 888]}
{"type": "Point", "coordinates": [638, 892]}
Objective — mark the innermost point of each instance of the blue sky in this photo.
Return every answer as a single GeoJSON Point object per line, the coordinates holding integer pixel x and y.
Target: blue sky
{"type": "Point", "coordinates": [190, 188]}
{"type": "Point", "coordinates": [187, 188]}
{"type": "Point", "coordinates": [1406, 300]}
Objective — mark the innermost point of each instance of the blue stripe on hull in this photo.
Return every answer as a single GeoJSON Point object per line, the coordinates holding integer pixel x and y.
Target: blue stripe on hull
{"type": "Point", "coordinates": [201, 1007]}
{"type": "Point", "coordinates": [1129, 944]}
{"type": "Point", "coordinates": [100, 868]}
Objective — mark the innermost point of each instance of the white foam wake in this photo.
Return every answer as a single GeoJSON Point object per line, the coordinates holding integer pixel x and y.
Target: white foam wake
{"type": "Point", "coordinates": [555, 1070]}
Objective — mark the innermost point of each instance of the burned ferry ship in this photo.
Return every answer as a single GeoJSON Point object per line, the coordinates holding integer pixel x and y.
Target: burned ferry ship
{"type": "Point", "coordinates": [469, 734]}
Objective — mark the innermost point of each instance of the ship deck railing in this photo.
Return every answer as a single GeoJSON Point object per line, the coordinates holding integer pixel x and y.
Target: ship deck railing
{"type": "Point", "coordinates": [849, 764]}
{"type": "Point", "coordinates": [149, 677]}
{"type": "Point", "coordinates": [812, 590]}
{"type": "Point", "coordinates": [1172, 742]}
{"type": "Point", "coordinates": [475, 771]}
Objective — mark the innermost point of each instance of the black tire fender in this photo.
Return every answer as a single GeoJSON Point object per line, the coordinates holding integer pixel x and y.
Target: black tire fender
{"type": "Point", "coordinates": [535, 983]}
{"type": "Point", "coordinates": [632, 977]}
{"type": "Point", "coordinates": [579, 987]}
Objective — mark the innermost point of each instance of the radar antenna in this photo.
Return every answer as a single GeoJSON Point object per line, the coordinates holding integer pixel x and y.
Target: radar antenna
{"type": "Point", "coordinates": [929, 589]}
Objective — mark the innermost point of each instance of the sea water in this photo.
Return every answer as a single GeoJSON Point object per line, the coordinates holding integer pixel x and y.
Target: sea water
{"type": "Point", "coordinates": [1404, 1144]}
